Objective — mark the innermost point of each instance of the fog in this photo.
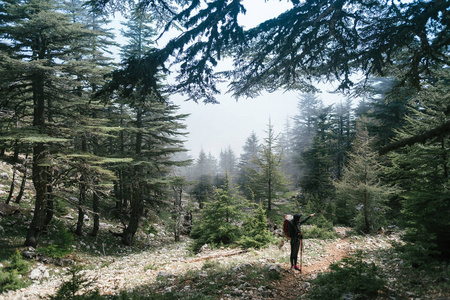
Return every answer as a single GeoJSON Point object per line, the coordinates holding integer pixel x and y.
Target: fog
{"type": "Point", "coordinates": [213, 127]}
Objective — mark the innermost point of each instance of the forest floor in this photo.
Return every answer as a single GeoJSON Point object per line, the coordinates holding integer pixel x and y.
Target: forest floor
{"type": "Point", "coordinates": [166, 267]}
{"type": "Point", "coordinates": [157, 267]}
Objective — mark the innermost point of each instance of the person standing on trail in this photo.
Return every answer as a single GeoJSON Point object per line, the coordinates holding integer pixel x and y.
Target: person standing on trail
{"type": "Point", "coordinates": [296, 234]}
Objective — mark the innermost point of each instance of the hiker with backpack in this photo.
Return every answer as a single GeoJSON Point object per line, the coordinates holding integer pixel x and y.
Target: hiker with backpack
{"type": "Point", "coordinates": [295, 233]}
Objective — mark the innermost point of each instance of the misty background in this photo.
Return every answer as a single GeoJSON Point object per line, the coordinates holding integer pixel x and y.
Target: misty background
{"type": "Point", "coordinates": [215, 127]}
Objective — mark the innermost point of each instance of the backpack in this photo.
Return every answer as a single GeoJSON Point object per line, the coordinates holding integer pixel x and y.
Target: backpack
{"type": "Point", "coordinates": [287, 219]}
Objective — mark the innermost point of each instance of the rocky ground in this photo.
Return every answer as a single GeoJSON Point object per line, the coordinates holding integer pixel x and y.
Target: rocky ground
{"type": "Point", "coordinates": [169, 261]}
{"type": "Point", "coordinates": [160, 265]}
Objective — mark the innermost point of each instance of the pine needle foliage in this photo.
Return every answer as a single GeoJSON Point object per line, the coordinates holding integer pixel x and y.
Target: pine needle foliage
{"type": "Point", "coordinates": [351, 277]}
{"type": "Point", "coordinates": [255, 233]}
{"type": "Point", "coordinates": [11, 275]}
{"type": "Point", "coordinates": [361, 193]}
{"type": "Point", "coordinates": [422, 171]}
{"type": "Point", "coordinates": [220, 220]}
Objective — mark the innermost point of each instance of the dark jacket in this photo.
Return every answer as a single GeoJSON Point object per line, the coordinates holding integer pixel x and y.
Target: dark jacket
{"type": "Point", "coordinates": [295, 226]}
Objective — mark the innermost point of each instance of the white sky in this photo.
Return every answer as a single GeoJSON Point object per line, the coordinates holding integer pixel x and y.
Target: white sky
{"type": "Point", "coordinates": [213, 127]}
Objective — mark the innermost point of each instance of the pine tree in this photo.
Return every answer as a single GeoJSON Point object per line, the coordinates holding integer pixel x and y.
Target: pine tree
{"type": "Point", "coordinates": [360, 193]}
{"type": "Point", "coordinates": [255, 230]}
{"type": "Point", "coordinates": [219, 220]}
{"type": "Point", "coordinates": [267, 179]}
{"type": "Point", "coordinates": [227, 162]}
{"type": "Point", "coordinates": [318, 162]}
{"type": "Point", "coordinates": [87, 115]}
{"type": "Point", "coordinates": [41, 46]}
{"type": "Point", "coordinates": [152, 135]}
{"type": "Point", "coordinates": [246, 166]}
{"type": "Point", "coordinates": [343, 130]}
{"type": "Point", "coordinates": [422, 171]}
{"type": "Point", "coordinates": [328, 40]}
{"type": "Point", "coordinates": [304, 129]}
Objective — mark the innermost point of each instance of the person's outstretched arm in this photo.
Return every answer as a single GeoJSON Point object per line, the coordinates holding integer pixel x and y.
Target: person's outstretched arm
{"type": "Point", "coordinates": [307, 218]}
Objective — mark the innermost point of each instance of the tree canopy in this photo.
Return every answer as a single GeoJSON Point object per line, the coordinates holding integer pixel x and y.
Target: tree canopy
{"type": "Point", "coordinates": [319, 39]}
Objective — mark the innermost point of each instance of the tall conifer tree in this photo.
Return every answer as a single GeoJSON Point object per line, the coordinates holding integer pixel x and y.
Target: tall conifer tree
{"type": "Point", "coordinates": [268, 179]}
{"type": "Point", "coordinates": [41, 46]}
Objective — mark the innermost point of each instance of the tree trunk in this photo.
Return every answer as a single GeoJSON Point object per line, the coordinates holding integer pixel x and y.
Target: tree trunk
{"type": "Point", "coordinates": [40, 182]}
{"type": "Point", "coordinates": [16, 153]}
{"type": "Point", "coordinates": [50, 203]}
{"type": "Point", "coordinates": [11, 188]}
{"type": "Point", "coordinates": [178, 212]}
{"type": "Point", "coordinates": [81, 203]}
{"type": "Point", "coordinates": [95, 208]}
{"type": "Point", "coordinates": [40, 151]}
{"type": "Point", "coordinates": [444, 158]}
{"type": "Point", "coordinates": [24, 180]}
{"type": "Point", "coordinates": [130, 231]}
{"type": "Point", "coordinates": [138, 145]}
{"type": "Point", "coordinates": [269, 192]}
{"type": "Point", "coordinates": [16, 161]}
{"type": "Point", "coordinates": [366, 213]}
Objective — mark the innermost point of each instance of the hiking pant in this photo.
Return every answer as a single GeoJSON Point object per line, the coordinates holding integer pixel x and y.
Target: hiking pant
{"type": "Point", "coordinates": [295, 247]}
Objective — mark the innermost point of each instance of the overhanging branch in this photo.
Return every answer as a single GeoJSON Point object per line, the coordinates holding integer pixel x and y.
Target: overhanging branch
{"type": "Point", "coordinates": [423, 137]}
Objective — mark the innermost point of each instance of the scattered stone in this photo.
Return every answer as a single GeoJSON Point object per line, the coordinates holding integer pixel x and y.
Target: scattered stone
{"type": "Point", "coordinates": [8, 210]}
{"type": "Point", "coordinates": [348, 296]}
{"type": "Point", "coordinates": [204, 248]}
{"type": "Point", "coordinates": [410, 294]}
{"type": "Point", "coordinates": [4, 176]}
{"type": "Point", "coordinates": [306, 285]}
{"type": "Point", "coordinates": [29, 253]}
{"type": "Point", "coordinates": [40, 273]}
{"type": "Point", "coordinates": [203, 274]}
{"type": "Point", "coordinates": [241, 267]}
{"type": "Point", "coordinates": [164, 274]}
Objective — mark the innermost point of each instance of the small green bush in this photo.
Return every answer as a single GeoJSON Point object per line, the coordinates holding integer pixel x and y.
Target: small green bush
{"type": "Point", "coordinates": [153, 230]}
{"type": "Point", "coordinates": [321, 229]}
{"type": "Point", "coordinates": [350, 276]}
{"type": "Point", "coordinates": [11, 275]}
{"type": "Point", "coordinates": [77, 281]}
{"type": "Point", "coordinates": [256, 234]}
{"type": "Point", "coordinates": [62, 245]}
{"type": "Point", "coordinates": [218, 223]}
{"type": "Point", "coordinates": [16, 262]}
{"type": "Point", "coordinates": [11, 281]}
{"type": "Point", "coordinates": [315, 232]}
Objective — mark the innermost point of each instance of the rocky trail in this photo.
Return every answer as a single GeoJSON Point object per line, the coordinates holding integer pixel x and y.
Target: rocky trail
{"type": "Point", "coordinates": [130, 271]}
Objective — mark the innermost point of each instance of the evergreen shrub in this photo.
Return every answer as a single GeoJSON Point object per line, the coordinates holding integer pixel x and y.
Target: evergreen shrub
{"type": "Point", "coordinates": [219, 220]}
{"type": "Point", "coordinates": [321, 228]}
{"type": "Point", "coordinates": [351, 278]}
{"type": "Point", "coordinates": [255, 232]}
{"type": "Point", "coordinates": [70, 288]}
{"type": "Point", "coordinates": [11, 274]}
{"type": "Point", "coordinates": [61, 246]}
